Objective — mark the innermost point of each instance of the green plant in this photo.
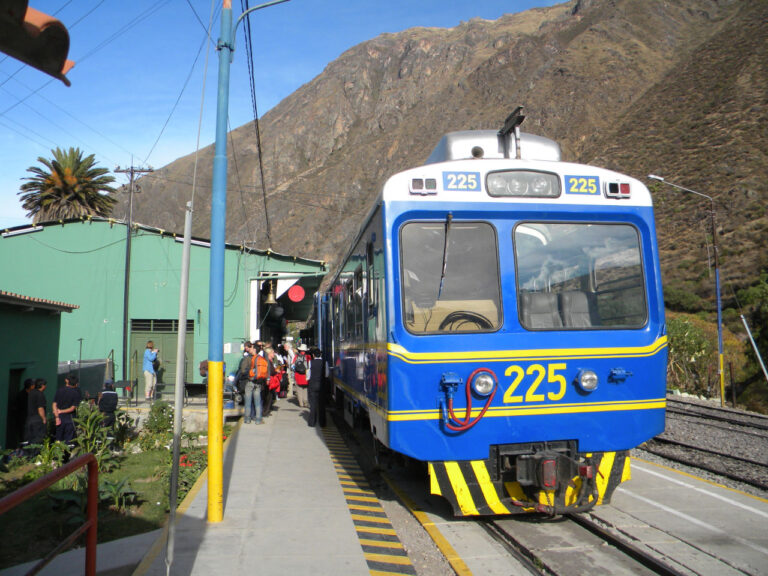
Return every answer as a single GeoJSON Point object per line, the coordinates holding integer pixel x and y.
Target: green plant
{"type": "Point", "coordinates": [70, 498]}
{"type": "Point", "coordinates": [160, 418]}
{"type": "Point", "coordinates": [52, 453]}
{"type": "Point", "coordinates": [92, 436]}
{"type": "Point", "coordinates": [119, 493]}
{"type": "Point", "coordinates": [689, 353]}
{"type": "Point", "coordinates": [124, 429]}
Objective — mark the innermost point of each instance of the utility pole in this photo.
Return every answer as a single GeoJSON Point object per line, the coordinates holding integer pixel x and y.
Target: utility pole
{"type": "Point", "coordinates": [720, 356]}
{"type": "Point", "coordinates": [226, 48]}
{"type": "Point", "coordinates": [131, 171]}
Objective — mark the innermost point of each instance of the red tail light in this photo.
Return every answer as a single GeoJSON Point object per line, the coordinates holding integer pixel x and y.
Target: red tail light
{"type": "Point", "coordinates": [587, 471]}
{"type": "Point", "coordinates": [549, 474]}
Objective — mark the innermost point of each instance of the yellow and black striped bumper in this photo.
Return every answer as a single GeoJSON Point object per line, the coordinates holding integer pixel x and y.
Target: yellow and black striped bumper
{"type": "Point", "coordinates": [471, 491]}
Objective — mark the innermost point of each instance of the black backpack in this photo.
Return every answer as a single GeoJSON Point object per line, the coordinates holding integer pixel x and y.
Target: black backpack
{"type": "Point", "coordinates": [299, 366]}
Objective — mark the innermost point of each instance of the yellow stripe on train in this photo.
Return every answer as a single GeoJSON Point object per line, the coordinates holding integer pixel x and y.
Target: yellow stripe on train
{"type": "Point", "coordinates": [546, 354]}
{"type": "Point", "coordinates": [541, 410]}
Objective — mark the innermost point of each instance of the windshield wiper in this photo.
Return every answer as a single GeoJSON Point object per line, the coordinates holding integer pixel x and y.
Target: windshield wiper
{"type": "Point", "coordinates": [445, 253]}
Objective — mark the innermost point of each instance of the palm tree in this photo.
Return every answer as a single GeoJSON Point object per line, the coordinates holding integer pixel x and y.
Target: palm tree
{"type": "Point", "coordinates": [69, 186]}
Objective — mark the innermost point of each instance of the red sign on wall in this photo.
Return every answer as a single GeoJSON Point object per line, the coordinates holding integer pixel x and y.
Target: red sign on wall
{"type": "Point", "coordinates": [296, 293]}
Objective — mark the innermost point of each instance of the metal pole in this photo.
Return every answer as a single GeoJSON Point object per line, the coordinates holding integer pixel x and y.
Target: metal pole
{"type": "Point", "coordinates": [720, 367]}
{"type": "Point", "coordinates": [178, 407]}
{"type": "Point", "coordinates": [127, 278]}
{"type": "Point", "coordinates": [720, 360]}
{"type": "Point", "coordinates": [80, 361]}
{"type": "Point", "coordinates": [225, 47]}
{"type": "Point", "coordinates": [216, 294]}
{"type": "Point", "coordinates": [131, 171]}
{"type": "Point", "coordinates": [754, 347]}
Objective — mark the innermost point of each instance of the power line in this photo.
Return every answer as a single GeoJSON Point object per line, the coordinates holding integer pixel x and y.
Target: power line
{"type": "Point", "coordinates": [178, 99]}
{"type": "Point", "coordinates": [252, 80]}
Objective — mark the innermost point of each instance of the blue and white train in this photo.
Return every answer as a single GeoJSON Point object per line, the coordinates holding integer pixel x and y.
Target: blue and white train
{"type": "Point", "coordinates": [500, 317]}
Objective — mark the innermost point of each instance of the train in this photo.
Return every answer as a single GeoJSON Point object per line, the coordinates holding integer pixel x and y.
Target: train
{"type": "Point", "coordinates": [500, 317]}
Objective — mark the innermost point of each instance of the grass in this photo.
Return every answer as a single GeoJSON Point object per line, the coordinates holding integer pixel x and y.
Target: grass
{"type": "Point", "coordinates": [34, 528]}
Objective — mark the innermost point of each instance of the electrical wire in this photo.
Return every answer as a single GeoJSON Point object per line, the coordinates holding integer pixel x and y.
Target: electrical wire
{"type": "Point", "coordinates": [202, 104]}
{"type": "Point", "coordinates": [239, 183]}
{"type": "Point", "coordinates": [178, 99]}
{"type": "Point", "coordinates": [244, 4]}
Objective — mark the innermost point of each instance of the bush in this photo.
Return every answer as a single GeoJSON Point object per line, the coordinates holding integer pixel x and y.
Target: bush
{"type": "Point", "coordinates": [160, 418]}
{"type": "Point", "coordinates": [689, 353]}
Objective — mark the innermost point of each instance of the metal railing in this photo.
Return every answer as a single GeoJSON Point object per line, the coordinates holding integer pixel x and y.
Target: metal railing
{"type": "Point", "coordinates": [89, 526]}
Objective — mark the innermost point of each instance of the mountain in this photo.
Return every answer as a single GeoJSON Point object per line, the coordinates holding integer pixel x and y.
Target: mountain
{"type": "Point", "coordinates": [672, 87]}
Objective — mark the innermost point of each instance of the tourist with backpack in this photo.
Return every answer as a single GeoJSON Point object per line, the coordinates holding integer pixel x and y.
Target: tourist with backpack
{"type": "Point", "coordinates": [257, 378]}
{"type": "Point", "coordinates": [300, 365]}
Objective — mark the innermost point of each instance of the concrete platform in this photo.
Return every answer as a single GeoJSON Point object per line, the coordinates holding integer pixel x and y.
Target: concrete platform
{"type": "Point", "coordinates": [284, 509]}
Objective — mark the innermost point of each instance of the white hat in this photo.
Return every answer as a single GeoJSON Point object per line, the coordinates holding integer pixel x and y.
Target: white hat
{"type": "Point", "coordinates": [303, 347]}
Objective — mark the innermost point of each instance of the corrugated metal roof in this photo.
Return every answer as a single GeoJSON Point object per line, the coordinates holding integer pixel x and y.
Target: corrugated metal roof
{"type": "Point", "coordinates": [29, 228]}
{"type": "Point", "coordinates": [21, 300]}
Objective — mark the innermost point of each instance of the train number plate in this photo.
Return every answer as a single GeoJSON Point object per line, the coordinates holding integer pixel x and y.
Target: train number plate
{"type": "Point", "coordinates": [589, 185]}
{"type": "Point", "coordinates": [461, 181]}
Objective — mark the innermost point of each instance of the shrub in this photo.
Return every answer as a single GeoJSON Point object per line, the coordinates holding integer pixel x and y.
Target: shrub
{"type": "Point", "coordinates": [160, 418]}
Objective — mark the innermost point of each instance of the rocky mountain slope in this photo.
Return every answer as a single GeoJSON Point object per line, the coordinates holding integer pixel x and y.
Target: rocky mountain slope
{"type": "Point", "coordinates": [673, 87]}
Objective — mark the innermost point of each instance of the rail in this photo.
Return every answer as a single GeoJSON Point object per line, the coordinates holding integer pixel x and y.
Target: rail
{"type": "Point", "coordinates": [89, 526]}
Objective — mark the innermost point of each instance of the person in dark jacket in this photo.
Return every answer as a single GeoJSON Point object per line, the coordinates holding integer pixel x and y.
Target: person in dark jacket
{"type": "Point", "coordinates": [315, 378]}
{"type": "Point", "coordinates": [35, 429]}
{"type": "Point", "coordinates": [65, 403]}
{"type": "Point", "coordinates": [108, 404]}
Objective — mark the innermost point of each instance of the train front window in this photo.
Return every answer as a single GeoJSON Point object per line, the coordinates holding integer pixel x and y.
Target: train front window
{"type": "Point", "coordinates": [453, 285]}
{"type": "Point", "coordinates": [579, 276]}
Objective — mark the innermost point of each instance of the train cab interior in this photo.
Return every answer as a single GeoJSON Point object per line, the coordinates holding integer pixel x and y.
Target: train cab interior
{"type": "Point", "coordinates": [579, 276]}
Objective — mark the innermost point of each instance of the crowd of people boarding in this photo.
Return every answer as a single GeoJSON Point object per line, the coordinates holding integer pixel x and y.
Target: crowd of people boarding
{"type": "Point", "coordinates": [267, 373]}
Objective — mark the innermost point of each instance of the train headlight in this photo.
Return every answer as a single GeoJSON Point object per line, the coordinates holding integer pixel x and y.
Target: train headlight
{"type": "Point", "coordinates": [483, 383]}
{"type": "Point", "coordinates": [518, 183]}
{"type": "Point", "coordinates": [588, 380]}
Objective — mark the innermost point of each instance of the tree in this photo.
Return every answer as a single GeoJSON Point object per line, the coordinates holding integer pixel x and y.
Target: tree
{"type": "Point", "coordinates": [69, 186]}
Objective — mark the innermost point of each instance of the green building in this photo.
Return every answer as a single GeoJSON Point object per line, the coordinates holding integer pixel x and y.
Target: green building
{"type": "Point", "coordinates": [29, 342]}
{"type": "Point", "coordinates": [84, 262]}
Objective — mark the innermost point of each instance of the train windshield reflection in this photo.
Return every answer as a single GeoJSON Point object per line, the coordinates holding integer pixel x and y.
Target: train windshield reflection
{"type": "Point", "coordinates": [450, 286]}
{"type": "Point", "coordinates": [579, 276]}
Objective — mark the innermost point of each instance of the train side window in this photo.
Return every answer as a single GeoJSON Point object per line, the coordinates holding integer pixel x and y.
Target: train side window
{"type": "Point", "coordinates": [371, 279]}
{"type": "Point", "coordinates": [579, 276]}
{"type": "Point", "coordinates": [450, 285]}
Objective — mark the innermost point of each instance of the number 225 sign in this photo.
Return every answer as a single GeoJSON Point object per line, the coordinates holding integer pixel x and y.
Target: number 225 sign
{"type": "Point", "coordinates": [461, 181]}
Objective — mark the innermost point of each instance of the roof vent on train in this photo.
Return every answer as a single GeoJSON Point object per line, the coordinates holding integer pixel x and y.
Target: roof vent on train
{"type": "Point", "coordinates": [508, 142]}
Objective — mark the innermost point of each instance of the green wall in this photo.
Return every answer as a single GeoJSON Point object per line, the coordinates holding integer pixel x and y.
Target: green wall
{"type": "Point", "coordinates": [29, 340]}
{"type": "Point", "coordinates": [83, 263]}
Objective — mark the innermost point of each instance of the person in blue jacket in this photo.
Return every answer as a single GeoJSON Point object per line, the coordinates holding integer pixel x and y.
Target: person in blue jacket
{"type": "Point", "coordinates": [150, 373]}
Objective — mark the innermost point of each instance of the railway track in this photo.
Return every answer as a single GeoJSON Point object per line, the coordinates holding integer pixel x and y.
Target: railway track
{"type": "Point", "coordinates": [730, 443]}
{"type": "Point", "coordinates": [717, 414]}
{"type": "Point", "coordinates": [739, 469]}
{"type": "Point", "coordinates": [586, 541]}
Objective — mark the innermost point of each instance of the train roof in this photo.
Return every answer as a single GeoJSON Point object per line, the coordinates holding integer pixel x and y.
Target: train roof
{"type": "Point", "coordinates": [468, 144]}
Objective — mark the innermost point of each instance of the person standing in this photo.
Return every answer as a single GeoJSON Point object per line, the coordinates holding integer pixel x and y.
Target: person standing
{"type": "Point", "coordinates": [108, 404]}
{"type": "Point", "coordinates": [252, 391]}
{"type": "Point", "coordinates": [257, 380]}
{"type": "Point", "coordinates": [300, 365]}
{"type": "Point", "coordinates": [290, 357]}
{"type": "Point", "coordinates": [315, 386]}
{"type": "Point", "coordinates": [150, 374]}
{"type": "Point", "coordinates": [35, 428]}
{"type": "Point", "coordinates": [269, 391]}
{"type": "Point", "coordinates": [65, 403]}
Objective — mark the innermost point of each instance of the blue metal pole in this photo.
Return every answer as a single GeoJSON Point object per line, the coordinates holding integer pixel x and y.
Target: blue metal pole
{"type": "Point", "coordinates": [216, 294]}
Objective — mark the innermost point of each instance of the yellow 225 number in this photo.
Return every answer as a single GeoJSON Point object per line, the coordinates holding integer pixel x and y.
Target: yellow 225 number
{"type": "Point", "coordinates": [539, 374]}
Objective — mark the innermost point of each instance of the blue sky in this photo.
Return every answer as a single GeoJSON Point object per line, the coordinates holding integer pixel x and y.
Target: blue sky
{"type": "Point", "coordinates": [134, 58]}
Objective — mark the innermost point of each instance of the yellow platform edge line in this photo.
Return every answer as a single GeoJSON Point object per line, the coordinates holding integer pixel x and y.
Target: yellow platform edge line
{"type": "Point", "coordinates": [380, 543]}
{"type": "Point", "coordinates": [388, 559]}
{"type": "Point", "coordinates": [376, 530]}
{"type": "Point", "coordinates": [450, 554]}
{"type": "Point", "coordinates": [374, 519]}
